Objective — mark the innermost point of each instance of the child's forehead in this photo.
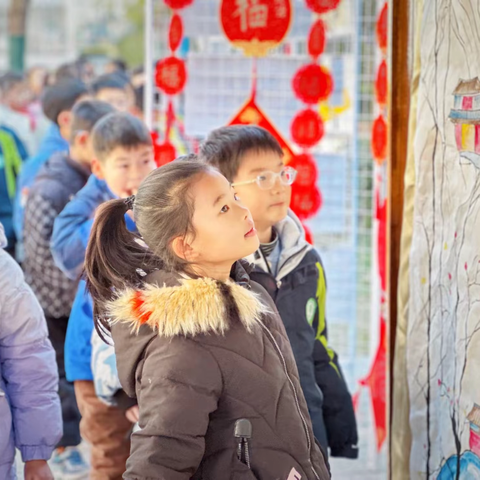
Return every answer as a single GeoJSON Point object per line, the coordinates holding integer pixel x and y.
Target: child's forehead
{"type": "Point", "coordinates": [121, 152]}
{"type": "Point", "coordinates": [255, 160]}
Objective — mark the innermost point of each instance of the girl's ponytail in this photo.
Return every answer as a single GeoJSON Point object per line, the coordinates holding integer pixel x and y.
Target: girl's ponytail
{"type": "Point", "coordinates": [113, 255]}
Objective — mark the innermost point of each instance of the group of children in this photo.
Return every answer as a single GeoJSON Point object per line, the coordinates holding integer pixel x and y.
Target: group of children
{"type": "Point", "coordinates": [224, 368]}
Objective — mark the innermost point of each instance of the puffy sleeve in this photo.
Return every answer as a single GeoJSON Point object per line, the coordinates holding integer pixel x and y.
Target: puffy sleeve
{"type": "Point", "coordinates": [28, 366]}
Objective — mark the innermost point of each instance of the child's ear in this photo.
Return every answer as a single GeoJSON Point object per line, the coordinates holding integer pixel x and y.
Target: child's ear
{"type": "Point", "coordinates": [97, 169]}
{"type": "Point", "coordinates": [82, 138]}
{"type": "Point", "coordinates": [183, 250]}
{"type": "Point", "coordinates": [64, 118]}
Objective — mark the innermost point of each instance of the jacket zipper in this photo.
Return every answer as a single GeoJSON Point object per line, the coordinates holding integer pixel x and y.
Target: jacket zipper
{"type": "Point", "coordinates": [309, 441]}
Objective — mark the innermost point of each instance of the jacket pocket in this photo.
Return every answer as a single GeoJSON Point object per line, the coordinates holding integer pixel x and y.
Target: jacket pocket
{"type": "Point", "coordinates": [240, 471]}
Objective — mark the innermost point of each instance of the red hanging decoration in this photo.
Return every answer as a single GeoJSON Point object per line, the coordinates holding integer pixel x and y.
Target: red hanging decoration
{"type": "Point", "coordinates": [381, 84]}
{"type": "Point", "coordinates": [307, 128]}
{"type": "Point", "coordinates": [379, 139]}
{"type": "Point", "coordinates": [308, 234]}
{"type": "Point", "coordinates": [306, 169]}
{"type": "Point", "coordinates": [178, 4]}
{"type": "Point", "coordinates": [165, 153]}
{"type": "Point", "coordinates": [306, 201]}
{"type": "Point", "coordinates": [316, 39]}
{"type": "Point", "coordinates": [322, 6]}
{"type": "Point", "coordinates": [252, 114]}
{"type": "Point", "coordinates": [312, 83]}
{"type": "Point", "coordinates": [175, 32]}
{"type": "Point", "coordinates": [171, 75]}
{"type": "Point", "coordinates": [382, 28]}
{"type": "Point", "coordinates": [254, 26]}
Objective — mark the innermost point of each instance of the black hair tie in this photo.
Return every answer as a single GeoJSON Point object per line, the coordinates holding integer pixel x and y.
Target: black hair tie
{"type": "Point", "coordinates": [129, 202]}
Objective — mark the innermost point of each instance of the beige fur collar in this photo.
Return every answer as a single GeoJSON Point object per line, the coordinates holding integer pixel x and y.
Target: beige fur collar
{"type": "Point", "coordinates": [194, 307]}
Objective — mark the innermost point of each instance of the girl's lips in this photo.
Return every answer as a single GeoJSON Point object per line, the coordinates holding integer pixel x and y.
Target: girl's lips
{"type": "Point", "coordinates": [251, 233]}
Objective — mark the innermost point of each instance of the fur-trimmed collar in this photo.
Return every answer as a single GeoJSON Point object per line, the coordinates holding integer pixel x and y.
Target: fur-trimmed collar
{"type": "Point", "coordinates": [193, 307]}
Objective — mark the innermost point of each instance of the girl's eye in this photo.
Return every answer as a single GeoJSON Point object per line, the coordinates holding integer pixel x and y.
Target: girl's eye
{"type": "Point", "coordinates": [225, 209]}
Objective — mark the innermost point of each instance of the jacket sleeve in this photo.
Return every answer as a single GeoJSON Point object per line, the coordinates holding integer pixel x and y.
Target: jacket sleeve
{"type": "Point", "coordinates": [71, 232]}
{"type": "Point", "coordinates": [180, 383]}
{"type": "Point", "coordinates": [338, 412]}
{"type": "Point", "coordinates": [28, 366]}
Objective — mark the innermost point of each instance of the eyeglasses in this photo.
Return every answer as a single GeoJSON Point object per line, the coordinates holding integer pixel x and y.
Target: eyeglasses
{"type": "Point", "coordinates": [266, 180]}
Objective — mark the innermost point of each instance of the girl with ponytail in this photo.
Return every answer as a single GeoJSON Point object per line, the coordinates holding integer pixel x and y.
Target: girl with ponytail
{"type": "Point", "coordinates": [198, 344]}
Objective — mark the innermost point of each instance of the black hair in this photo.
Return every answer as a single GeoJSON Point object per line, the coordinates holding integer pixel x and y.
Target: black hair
{"type": "Point", "coordinates": [189, 157]}
{"type": "Point", "coordinates": [225, 147]}
{"type": "Point", "coordinates": [9, 80]}
{"type": "Point", "coordinates": [116, 80]}
{"type": "Point", "coordinates": [163, 210]}
{"type": "Point", "coordinates": [87, 113]}
{"type": "Point", "coordinates": [61, 97]}
{"type": "Point", "coordinates": [120, 64]}
{"type": "Point", "coordinates": [68, 71]}
{"type": "Point", "coordinates": [119, 130]}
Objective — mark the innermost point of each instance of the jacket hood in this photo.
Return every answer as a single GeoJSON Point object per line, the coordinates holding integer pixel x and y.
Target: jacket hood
{"type": "Point", "coordinates": [59, 166]}
{"type": "Point", "coordinates": [294, 246]}
{"type": "Point", "coordinates": [184, 306]}
{"type": "Point", "coordinates": [168, 305]}
{"type": "Point", "coordinates": [3, 238]}
{"type": "Point", "coordinates": [52, 142]}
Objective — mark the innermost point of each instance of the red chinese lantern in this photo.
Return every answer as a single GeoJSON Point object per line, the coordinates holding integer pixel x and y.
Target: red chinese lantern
{"type": "Point", "coordinates": [171, 75]}
{"type": "Point", "coordinates": [165, 153]}
{"type": "Point", "coordinates": [178, 4]}
{"type": "Point", "coordinates": [379, 139]}
{"type": "Point", "coordinates": [307, 128]}
{"type": "Point", "coordinates": [306, 201]}
{"type": "Point", "coordinates": [175, 32]}
{"type": "Point", "coordinates": [382, 28]}
{"type": "Point", "coordinates": [322, 6]}
{"type": "Point", "coordinates": [255, 26]}
{"type": "Point", "coordinates": [312, 83]}
{"type": "Point", "coordinates": [316, 39]}
{"type": "Point", "coordinates": [306, 170]}
{"type": "Point", "coordinates": [381, 83]}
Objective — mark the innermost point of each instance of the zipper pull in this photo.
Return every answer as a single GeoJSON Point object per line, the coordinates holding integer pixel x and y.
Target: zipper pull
{"type": "Point", "coordinates": [279, 284]}
{"type": "Point", "coordinates": [243, 431]}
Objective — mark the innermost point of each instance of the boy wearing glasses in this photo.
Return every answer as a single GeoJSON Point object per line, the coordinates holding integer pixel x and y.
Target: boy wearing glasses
{"type": "Point", "coordinates": [291, 270]}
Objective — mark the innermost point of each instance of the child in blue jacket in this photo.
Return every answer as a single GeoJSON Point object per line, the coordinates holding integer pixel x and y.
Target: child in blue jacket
{"type": "Point", "coordinates": [124, 157]}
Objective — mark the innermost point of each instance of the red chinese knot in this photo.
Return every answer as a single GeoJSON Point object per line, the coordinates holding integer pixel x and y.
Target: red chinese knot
{"type": "Point", "coordinates": [382, 28]}
{"type": "Point", "coordinates": [379, 139]}
{"type": "Point", "coordinates": [316, 39]}
{"type": "Point", "coordinates": [381, 84]}
{"type": "Point", "coordinates": [322, 6]}
{"type": "Point", "coordinates": [307, 128]}
{"type": "Point", "coordinates": [178, 4]}
{"type": "Point", "coordinates": [306, 169]}
{"type": "Point", "coordinates": [175, 32]}
{"type": "Point", "coordinates": [306, 201]}
{"type": "Point", "coordinates": [171, 75]}
{"type": "Point", "coordinates": [312, 83]}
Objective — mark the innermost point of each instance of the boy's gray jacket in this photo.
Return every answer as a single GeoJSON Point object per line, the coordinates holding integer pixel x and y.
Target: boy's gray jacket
{"type": "Point", "coordinates": [299, 292]}
{"type": "Point", "coordinates": [30, 416]}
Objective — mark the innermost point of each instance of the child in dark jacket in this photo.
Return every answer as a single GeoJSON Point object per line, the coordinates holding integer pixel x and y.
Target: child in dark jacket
{"type": "Point", "coordinates": [61, 177]}
{"type": "Point", "coordinates": [123, 158]}
{"type": "Point", "coordinates": [291, 271]}
{"type": "Point", "coordinates": [199, 345]}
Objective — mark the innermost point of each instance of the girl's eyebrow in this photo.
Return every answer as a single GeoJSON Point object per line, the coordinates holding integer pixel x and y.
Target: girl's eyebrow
{"type": "Point", "coordinates": [218, 199]}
